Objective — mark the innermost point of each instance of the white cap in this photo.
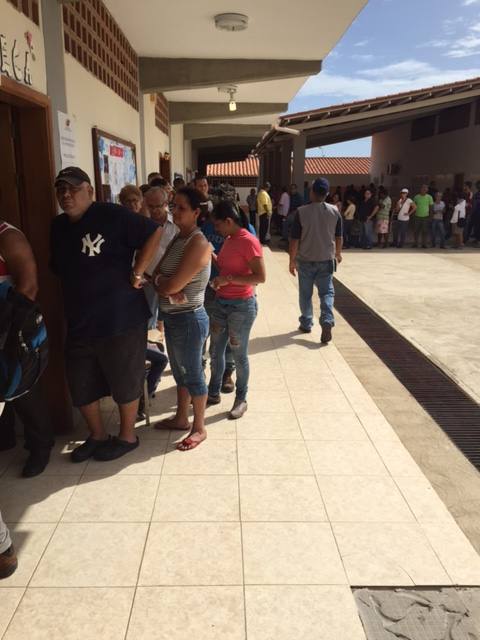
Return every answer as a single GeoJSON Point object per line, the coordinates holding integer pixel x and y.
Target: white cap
{"type": "Point", "coordinates": [404, 191]}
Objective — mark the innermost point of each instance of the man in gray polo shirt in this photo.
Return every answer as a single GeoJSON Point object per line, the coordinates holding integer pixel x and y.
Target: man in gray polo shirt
{"type": "Point", "coordinates": [315, 250]}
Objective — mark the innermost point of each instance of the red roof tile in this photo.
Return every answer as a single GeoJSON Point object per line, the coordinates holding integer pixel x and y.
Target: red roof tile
{"type": "Point", "coordinates": [322, 166]}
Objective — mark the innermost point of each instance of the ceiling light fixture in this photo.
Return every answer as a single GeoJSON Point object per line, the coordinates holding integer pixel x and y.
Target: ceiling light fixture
{"type": "Point", "coordinates": [231, 21]}
{"type": "Point", "coordinates": [231, 89]}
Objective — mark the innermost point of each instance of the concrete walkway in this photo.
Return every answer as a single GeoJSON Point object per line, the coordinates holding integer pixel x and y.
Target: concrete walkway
{"type": "Point", "coordinates": [431, 297]}
{"type": "Point", "coordinates": [259, 533]}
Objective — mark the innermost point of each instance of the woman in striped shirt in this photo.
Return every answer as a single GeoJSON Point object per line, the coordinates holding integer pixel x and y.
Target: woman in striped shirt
{"type": "Point", "coordinates": [180, 280]}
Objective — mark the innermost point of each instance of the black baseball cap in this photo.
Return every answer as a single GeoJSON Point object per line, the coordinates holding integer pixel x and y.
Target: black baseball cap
{"type": "Point", "coordinates": [73, 176]}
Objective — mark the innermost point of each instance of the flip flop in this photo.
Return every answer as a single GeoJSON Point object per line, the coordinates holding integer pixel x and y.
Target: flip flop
{"type": "Point", "coordinates": [161, 426]}
{"type": "Point", "coordinates": [189, 444]}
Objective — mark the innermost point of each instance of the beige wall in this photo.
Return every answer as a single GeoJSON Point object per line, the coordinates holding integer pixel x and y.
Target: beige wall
{"type": "Point", "coordinates": [13, 25]}
{"type": "Point", "coordinates": [437, 158]}
{"type": "Point", "coordinates": [177, 149]}
{"type": "Point", "coordinates": [156, 142]}
{"type": "Point", "coordinates": [93, 104]}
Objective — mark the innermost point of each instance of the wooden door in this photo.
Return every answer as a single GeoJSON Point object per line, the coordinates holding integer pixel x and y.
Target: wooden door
{"type": "Point", "coordinates": [9, 179]}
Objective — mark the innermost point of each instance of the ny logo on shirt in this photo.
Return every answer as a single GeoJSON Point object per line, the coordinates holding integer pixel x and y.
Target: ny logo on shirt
{"type": "Point", "coordinates": [92, 246]}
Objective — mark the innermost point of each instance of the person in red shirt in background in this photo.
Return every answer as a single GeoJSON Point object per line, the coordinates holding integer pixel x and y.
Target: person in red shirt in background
{"type": "Point", "coordinates": [241, 267]}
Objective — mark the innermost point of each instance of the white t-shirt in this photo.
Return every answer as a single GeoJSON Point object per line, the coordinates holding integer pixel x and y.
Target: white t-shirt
{"type": "Point", "coordinates": [170, 230]}
{"type": "Point", "coordinates": [283, 205]}
{"type": "Point", "coordinates": [459, 212]}
{"type": "Point", "coordinates": [438, 210]}
{"type": "Point", "coordinates": [404, 209]}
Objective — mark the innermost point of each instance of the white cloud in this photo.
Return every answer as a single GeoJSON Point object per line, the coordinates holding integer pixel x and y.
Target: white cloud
{"type": "Point", "coordinates": [464, 47]}
{"type": "Point", "coordinates": [372, 83]}
{"type": "Point", "coordinates": [363, 57]}
{"type": "Point", "coordinates": [362, 43]}
{"type": "Point", "coordinates": [467, 3]}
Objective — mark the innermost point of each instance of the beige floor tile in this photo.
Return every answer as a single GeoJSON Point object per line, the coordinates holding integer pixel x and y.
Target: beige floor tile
{"type": "Point", "coordinates": [397, 459]}
{"type": "Point", "coordinates": [303, 612]}
{"type": "Point", "coordinates": [423, 500]}
{"type": "Point", "coordinates": [281, 499]}
{"type": "Point", "coordinates": [30, 541]}
{"type": "Point", "coordinates": [268, 426]}
{"type": "Point", "coordinates": [378, 554]}
{"type": "Point", "coordinates": [320, 402]}
{"type": "Point", "coordinates": [177, 613]}
{"type": "Point", "coordinates": [363, 499]}
{"type": "Point", "coordinates": [9, 602]}
{"type": "Point", "coordinates": [187, 553]}
{"type": "Point", "coordinates": [273, 402]}
{"type": "Point", "coordinates": [276, 457]}
{"type": "Point", "coordinates": [378, 427]}
{"type": "Point", "coordinates": [456, 553]}
{"type": "Point", "coordinates": [147, 459]}
{"type": "Point", "coordinates": [92, 555]}
{"type": "Point", "coordinates": [291, 553]}
{"type": "Point", "coordinates": [212, 457]}
{"type": "Point", "coordinates": [331, 426]}
{"type": "Point", "coordinates": [148, 432]}
{"type": "Point", "coordinates": [40, 499]}
{"type": "Point", "coordinates": [10, 457]}
{"type": "Point", "coordinates": [197, 499]}
{"type": "Point", "coordinates": [345, 459]}
{"type": "Point", "coordinates": [112, 499]}
{"type": "Point", "coordinates": [72, 614]}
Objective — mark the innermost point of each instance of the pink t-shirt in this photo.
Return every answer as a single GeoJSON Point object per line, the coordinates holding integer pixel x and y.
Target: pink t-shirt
{"type": "Point", "coordinates": [233, 260]}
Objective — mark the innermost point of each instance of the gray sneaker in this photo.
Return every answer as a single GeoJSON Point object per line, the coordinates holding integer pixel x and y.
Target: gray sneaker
{"type": "Point", "coordinates": [238, 409]}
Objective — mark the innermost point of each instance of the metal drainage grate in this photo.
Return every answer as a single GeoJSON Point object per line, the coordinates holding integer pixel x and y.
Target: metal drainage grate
{"type": "Point", "coordinates": [451, 408]}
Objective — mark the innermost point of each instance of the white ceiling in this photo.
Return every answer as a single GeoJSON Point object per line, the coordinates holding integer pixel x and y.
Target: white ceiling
{"type": "Point", "coordinates": [303, 30]}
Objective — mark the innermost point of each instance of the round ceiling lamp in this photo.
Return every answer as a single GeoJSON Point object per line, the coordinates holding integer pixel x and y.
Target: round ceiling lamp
{"type": "Point", "coordinates": [231, 21]}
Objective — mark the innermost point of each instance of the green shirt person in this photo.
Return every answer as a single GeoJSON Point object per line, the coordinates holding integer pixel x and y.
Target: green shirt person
{"type": "Point", "coordinates": [424, 203]}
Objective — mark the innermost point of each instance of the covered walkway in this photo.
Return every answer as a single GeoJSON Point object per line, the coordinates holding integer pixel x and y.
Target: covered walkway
{"type": "Point", "coordinates": [259, 533]}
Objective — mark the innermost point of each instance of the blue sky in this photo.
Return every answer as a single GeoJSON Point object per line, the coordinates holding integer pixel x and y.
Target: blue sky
{"type": "Point", "coordinates": [393, 46]}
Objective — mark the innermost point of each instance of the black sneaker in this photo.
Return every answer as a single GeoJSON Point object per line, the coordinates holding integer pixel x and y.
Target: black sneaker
{"type": "Point", "coordinates": [326, 333]}
{"type": "Point", "coordinates": [114, 448]}
{"type": "Point", "coordinates": [87, 449]}
{"type": "Point", "coordinates": [304, 329]}
{"type": "Point", "coordinates": [36, 463]}
{"type": "Point", "coordinates": [211, 400]}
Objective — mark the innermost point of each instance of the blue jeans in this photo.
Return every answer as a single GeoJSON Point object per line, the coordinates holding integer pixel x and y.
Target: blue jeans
{"type": "Point", "coordinates": [210, 299]}
{"type": "Point", "coordinates": [402, 229]}
{"type": "Point", "coordinates": [231, 323]}
{"type": "Point", "coordinates": [438, 229]}
{"type": "Point", "coordinates": [319, 274]}
{"type": "Point", "coordinates": [158, 362]}
{"type": "Point", "coordinates": [367, 234]}
{"type": "Point", "coordinates": [185, 334]}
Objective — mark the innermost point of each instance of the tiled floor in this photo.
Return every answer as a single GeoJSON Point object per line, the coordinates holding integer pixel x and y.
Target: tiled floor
{"type": "Point", "coordinates": [259, 533]}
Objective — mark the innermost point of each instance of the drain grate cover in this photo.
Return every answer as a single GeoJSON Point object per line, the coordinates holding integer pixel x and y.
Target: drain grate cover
{"type": "Point", "coordinates": [416, 614]}
{"type": "Point", "coordinates": [453, 410]}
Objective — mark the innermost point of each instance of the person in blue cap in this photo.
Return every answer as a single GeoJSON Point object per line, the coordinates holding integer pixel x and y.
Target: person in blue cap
{"type": "Point", "coordinates": [315, 250]}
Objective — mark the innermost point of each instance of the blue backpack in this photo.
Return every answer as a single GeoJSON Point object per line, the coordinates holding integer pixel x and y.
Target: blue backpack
{"type": "Point", "coordinates": [23, 343]}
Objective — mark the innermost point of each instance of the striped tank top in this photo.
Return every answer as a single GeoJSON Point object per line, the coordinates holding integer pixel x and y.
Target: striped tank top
{"type": "Point", "coordinates": [194, 291]}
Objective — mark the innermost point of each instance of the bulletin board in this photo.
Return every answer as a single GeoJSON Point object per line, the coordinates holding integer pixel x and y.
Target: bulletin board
{"type": "Point", "coordinates": [115, 165]}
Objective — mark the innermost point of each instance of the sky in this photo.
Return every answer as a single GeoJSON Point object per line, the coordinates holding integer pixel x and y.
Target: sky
{"type": "Point", "coordinates": [393, 46]}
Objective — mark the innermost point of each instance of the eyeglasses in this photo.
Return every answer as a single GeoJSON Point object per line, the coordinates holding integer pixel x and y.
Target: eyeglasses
{"type": "Point", "coordinates": [62, 189]}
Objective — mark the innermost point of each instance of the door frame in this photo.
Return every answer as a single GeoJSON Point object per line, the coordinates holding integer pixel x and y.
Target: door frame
{"type": "Point", "coordinates": [36, 161]}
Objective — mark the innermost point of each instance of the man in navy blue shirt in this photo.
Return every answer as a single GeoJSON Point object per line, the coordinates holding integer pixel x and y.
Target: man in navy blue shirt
{"type": "Point", "coordinates": [93, 245]}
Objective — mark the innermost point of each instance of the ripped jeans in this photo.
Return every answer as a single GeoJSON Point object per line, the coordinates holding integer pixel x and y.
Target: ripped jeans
{"type": "Point", "coordinates": [231, 322]}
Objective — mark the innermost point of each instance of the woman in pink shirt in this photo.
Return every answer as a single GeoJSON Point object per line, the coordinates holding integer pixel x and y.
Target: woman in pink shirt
{"type": "Point", "coordinates": [241, 267]}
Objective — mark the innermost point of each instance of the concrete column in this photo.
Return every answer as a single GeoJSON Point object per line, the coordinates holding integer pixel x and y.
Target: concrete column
{"type": "Point", "coordinates": [277, 167]}
{"type": "Point", "coordinates": [261, 171]}
{"type": "Point", "coordinates": [286, 163]}
{"type": "Point", "coordinates": [52, 23]}
{"type": "Point", "coordinates": [142, 177]}
{"type": "Point", "coordinates": [299, 146]}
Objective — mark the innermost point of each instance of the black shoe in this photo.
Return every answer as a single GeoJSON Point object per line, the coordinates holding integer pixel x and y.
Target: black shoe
{"type": "Point", "coordinates": [8, 562]}
{"type": "Point", "coordinates": [304, 329]}
{"type": "Point", "coordinates": [87, 449]}
{"type": "Point", "coordinates": [36, 463]}
{"type": "Point", "coordinates": [211, 400]}
{"type": "Point", "coordinates": [326, 333]}
{"type": "Point", "coordinates": [114, 448]}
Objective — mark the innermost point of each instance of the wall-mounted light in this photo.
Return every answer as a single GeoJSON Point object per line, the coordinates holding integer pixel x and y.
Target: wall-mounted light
{"type": "Point", "coordinates": [231, 89]}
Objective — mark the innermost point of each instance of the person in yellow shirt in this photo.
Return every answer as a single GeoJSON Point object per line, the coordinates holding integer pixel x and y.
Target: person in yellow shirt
{"type": "Point", "coordinates": [264, 211]}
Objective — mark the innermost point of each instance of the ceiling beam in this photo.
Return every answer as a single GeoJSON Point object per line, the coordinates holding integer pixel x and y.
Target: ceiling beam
{"type": "Point", "coordinates": [174, 74]}
{"type": "Point", "coordinates": [226, 141]}
{"type": "Point", "coordinates": [193, 131]}
{"type": "Point", "coordinates": [185, 112]}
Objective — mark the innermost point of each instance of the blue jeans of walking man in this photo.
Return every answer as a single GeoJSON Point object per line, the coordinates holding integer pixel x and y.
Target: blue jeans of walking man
{"type": "Point", "coordinates": [320, 275]}
{"type": "Point", "coordinates": [231, 322]}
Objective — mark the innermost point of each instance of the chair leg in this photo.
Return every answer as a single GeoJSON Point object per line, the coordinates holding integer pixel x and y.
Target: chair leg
{"type": "Point", "coordinates": [146, 401]}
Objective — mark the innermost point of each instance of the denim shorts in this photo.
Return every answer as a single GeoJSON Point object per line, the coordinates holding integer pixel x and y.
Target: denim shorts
{"type": "Point", "coordinates": [185, 334]}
